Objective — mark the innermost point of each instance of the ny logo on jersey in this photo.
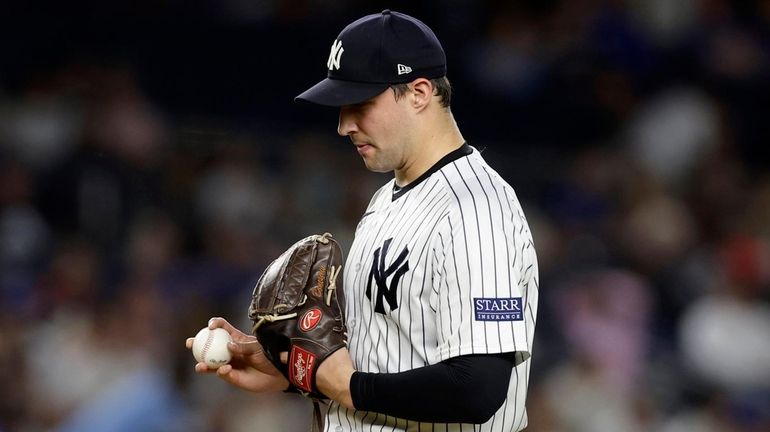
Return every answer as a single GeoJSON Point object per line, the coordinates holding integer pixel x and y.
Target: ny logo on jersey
{"type": "Point", "coordinates": [380, 276]}
{"type": "Point", "coordinates": [335, 55]}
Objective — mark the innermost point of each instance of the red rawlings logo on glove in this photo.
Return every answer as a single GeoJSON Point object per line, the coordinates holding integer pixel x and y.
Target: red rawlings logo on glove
{"type": "Point", "coordinates": [310, 320]}
{"type": "Point", "coordinates": [302, 368]}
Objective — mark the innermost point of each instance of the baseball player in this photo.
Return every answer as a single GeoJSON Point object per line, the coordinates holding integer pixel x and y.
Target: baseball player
{"type": "Point", "coordinates": [441, 280]}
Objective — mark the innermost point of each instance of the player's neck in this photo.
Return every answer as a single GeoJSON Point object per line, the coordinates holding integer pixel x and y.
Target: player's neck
{"type": "Point", "coordinates": [436, 141]}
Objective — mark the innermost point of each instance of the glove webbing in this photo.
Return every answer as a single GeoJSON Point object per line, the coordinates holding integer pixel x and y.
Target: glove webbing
{"type": "Point", "coordinates": [332, 284]}
{"type": "Point", "coordinates": [272, 318]}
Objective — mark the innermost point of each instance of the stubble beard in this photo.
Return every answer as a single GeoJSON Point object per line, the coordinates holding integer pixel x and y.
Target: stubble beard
{"type": "Point", "coordinates": [380, 162]}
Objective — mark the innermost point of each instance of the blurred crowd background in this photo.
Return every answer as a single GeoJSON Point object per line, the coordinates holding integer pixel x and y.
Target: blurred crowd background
{"type": "Point", "coordinates": [152, 162]}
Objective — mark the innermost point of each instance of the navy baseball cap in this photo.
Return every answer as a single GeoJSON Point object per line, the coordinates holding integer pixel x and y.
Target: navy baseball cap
{"type": "Point", "coordinates": [374, 52]}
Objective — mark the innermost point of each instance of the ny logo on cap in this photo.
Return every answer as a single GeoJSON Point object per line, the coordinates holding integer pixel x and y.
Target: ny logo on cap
{"type": "Point", "coordinates": [334, 55]}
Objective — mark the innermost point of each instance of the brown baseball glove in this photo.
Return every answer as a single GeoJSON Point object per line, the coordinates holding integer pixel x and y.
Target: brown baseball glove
{"type": "Point", "coordinates": [298, 307]}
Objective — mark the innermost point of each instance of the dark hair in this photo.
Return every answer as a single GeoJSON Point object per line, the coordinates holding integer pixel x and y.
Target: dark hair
{"type": "Point", "coordinates": [441, 88]}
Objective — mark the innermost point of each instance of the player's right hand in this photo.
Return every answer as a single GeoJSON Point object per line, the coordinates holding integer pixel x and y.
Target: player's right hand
{"type": "Point", "coordinates": [248, 369]}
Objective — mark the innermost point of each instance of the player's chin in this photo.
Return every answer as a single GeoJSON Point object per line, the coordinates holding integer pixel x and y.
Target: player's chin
{"type": "Point", "coordinates": [374, 166]}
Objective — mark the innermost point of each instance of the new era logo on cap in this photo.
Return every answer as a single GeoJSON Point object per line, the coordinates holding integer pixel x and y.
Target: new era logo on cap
{"type": "Point", "coordinates": [380, 50]}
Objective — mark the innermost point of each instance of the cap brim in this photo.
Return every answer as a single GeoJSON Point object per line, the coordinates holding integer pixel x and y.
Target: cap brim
{"type": "Point", "coordinates": [332, 92]}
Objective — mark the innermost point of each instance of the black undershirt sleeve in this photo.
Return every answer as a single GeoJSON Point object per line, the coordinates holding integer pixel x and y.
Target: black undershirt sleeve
{"type": "Point", "coordinates": [465, 389]}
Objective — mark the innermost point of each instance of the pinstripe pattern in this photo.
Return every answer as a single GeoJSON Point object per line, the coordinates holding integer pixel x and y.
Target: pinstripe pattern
{"type": "Point", "coordinates": [466, 237]}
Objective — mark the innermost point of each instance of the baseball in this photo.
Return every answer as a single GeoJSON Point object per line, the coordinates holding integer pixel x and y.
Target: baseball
{"type": "Point", "coordinates": [210, 347]}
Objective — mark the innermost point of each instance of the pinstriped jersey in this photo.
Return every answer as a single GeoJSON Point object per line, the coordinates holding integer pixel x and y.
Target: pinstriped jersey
{"type": "Point", "coordinates": [445, 267]}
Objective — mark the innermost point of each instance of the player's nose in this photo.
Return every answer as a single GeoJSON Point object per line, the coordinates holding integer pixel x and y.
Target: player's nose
{"type": "Point", "coordinates": [347, 124]}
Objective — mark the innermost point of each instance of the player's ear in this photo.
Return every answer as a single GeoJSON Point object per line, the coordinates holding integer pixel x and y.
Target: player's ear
{"type": "Point", "coordinates": [422, 93]}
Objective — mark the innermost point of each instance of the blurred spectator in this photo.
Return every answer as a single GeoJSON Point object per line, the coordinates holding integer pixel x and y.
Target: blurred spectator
{"type": "Point", "coordinates": [604, 317]}
{"type": "Point", "coordinates": [113, 174]}
{"type": "Point", "coordinates": [41, 129]}
{"type": "Point", "coordinates": [666, 22]}
{"type": "Point", "coordinates": [132, 389]}
{"type": "Point", "coordinates": [733, 319]}
{"type": "Point", "coordinates": [69, 301]}
{"type": "Point", "coordinates": [24, 236]}
{"type": "Point", "coordinates": [656, 232]}
{"type": "Point", "coordinates": [235, 201]}
{"type": "Point", "coordinates": [672, 133]}
{"type": "Point", "coordinates": [508, 61]}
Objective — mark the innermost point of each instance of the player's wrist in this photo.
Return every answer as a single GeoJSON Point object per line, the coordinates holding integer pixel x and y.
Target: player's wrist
{"type": "Point", "coordinates": [333, 378]}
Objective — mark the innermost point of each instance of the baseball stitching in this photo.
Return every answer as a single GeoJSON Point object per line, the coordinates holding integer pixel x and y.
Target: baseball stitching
{"type": "Point", "coordinates": [207, 345]}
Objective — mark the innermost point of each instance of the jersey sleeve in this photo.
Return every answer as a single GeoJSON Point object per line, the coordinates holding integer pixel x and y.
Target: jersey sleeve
{"type": "Point", "coordinates": [485, 277]}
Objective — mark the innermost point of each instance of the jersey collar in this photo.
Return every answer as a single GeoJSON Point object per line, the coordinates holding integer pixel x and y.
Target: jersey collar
{"type": "Point", "coordinates": [463, 151]}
